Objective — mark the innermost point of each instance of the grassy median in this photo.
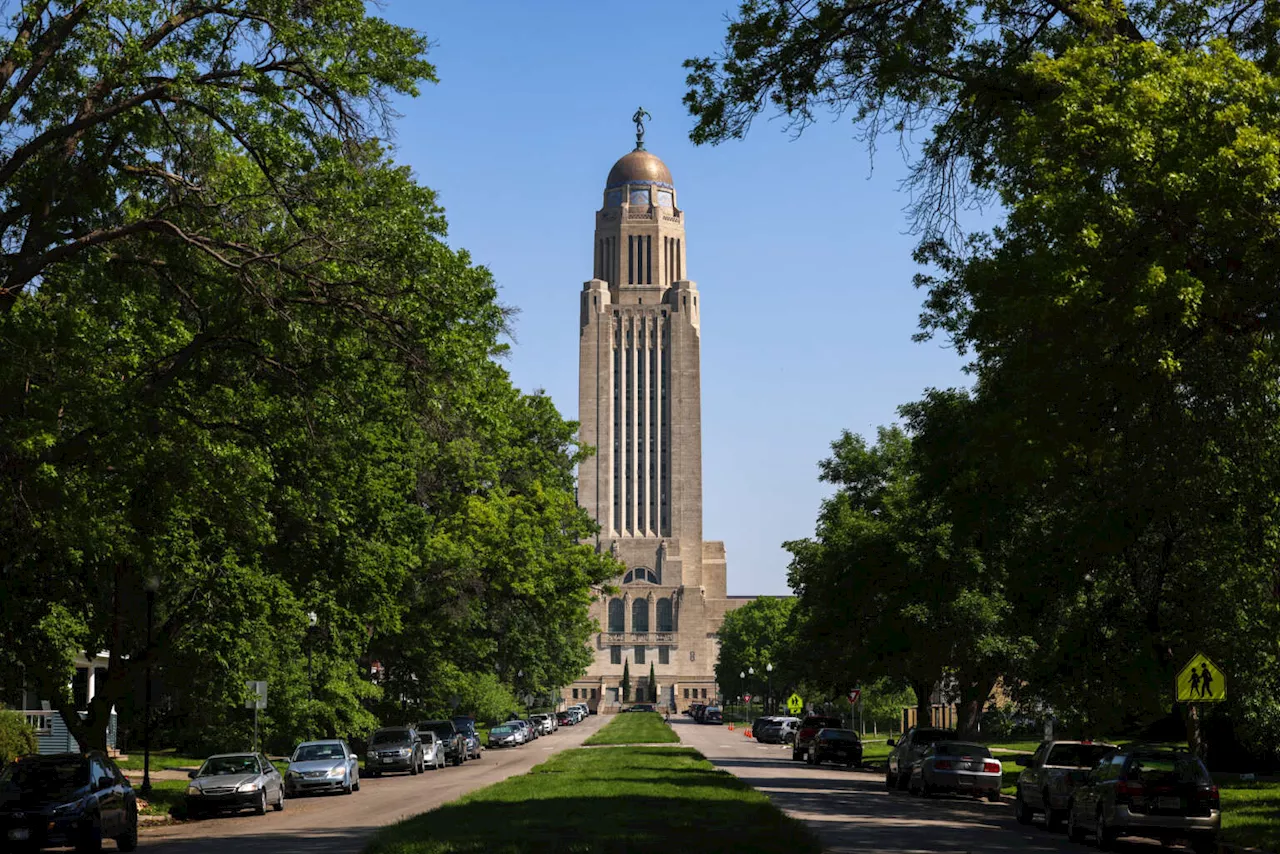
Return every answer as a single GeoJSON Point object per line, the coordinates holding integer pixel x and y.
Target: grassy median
{"type": "Point", "coordinates": [615, 799]}
{"type": "Point", "coordinates": [635, 728]}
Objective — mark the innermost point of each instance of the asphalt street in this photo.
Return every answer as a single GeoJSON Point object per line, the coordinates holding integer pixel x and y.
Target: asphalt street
{"type": "Point", "coordinates": [343, 823]}
{"type": "Point", "coordinates": [853, 813]}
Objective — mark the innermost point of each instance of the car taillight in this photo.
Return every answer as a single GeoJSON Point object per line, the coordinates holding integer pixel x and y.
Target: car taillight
{"type": "Point", "coordinates": [942, 764]}
{"type": "Point", "coordinates": [991, 767]}
{"type": "Point", "coordinates": [1210, 797]}
{"type": "Point", "coordinates": [1126, 791]}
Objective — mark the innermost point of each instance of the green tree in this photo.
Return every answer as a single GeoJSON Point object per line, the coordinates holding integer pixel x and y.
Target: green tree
{"type": "Point", "coordinates": [756, 635]}
{"type": "Point", "coordinates": [16, 737]}
{"type": "Point", "coordinates": [626, 681]}
{"type": "Point", "coordinates": [653, 683]}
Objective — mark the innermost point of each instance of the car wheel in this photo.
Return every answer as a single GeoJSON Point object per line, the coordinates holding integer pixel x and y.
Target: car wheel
{"type": "Point", "coordinates": [1021, 812]}
{"type": "Point", "coordinates": [1053, 819]}
{"type": "Point", "coordinates": [1106, 837]}
{"type": "Point", "coordinates": [349, 787]}
{"type": "Point", "coordinates": [356, 786]}
{"type": "Point", "coordinates": [90, 838]}
{"type": "Point", "coordinates": [795, 755]}
{"type": "Point", "coordinates": [279, 804]}
{"type": "Point", "coordinates": [128, 840]}
{"type": "Point", "coordinates": [1074, 832]}
{"type": "Point", "coordinates": [375, 773]}
{"type": "Point", "coordinates": [912, 788]}
{"type": "Point", "coordinates": [994, 796]}
{"type": "Point", "coordinates": [413, 770]}
{"type": "Point", "coordinates": [903, 782]}
{"type": "Point", "coordinates": [261, 807]}
{"type": "Point", "coordinates": [889, 782]}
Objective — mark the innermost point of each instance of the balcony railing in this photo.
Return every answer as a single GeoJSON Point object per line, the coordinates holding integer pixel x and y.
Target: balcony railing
{"type": "Point", "coordinates": [636, 638]}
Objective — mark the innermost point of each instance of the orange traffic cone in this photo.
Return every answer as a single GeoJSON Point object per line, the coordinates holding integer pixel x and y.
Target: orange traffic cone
{"type": "Point", "coordinates": [730, 726]}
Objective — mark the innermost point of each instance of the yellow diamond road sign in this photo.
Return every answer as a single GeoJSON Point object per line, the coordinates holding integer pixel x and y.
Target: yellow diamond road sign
{"type": "Point", "coordinates": [795, 704]}
{"type": "Point", "coordinates": [1201, 682]}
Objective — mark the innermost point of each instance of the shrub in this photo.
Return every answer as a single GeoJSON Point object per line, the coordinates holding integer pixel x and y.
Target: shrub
{"type": "Point", "coordinates": [16, 737]}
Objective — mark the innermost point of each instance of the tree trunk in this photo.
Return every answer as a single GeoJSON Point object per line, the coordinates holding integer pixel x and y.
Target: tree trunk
{"type": "Point", "coordinates": [974, 691]}
{"type": "Point", "coordinates": [923, 689]}
{"type": "Point", "coordinates": [1191, 717]}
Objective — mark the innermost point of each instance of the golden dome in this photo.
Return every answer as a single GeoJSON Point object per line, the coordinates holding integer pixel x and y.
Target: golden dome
{"type": "Point", "coordinates": [639, 167]}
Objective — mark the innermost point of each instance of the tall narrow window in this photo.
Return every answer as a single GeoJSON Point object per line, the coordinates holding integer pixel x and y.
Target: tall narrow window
{"type": "Point", "coordinates": [665, 622]}
{"type": "Point", "coordinates": [639, 655]}
{"type": "Point", "coordinates": [617, 610]}
{"type": "Point", "coordinates": [648, 260]}
{"type": "Point", "coordinates": [640, 615]}
{"type": "Point", "coordinates": [679, 262]}
{"type": "Point", "coordinates": [664, 655]}
{"type": "Point", "coordinates": [615, 655]}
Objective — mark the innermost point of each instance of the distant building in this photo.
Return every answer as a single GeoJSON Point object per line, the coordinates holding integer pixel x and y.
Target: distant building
{"type": "Point", "coordinates": [639, 405]}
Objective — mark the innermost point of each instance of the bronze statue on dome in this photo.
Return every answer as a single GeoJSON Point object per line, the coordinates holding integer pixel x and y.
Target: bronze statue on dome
{"type": "Point", "coordinates": [639, 117]}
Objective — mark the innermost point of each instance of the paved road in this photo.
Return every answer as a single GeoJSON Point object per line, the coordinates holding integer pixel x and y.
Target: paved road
{"type": "Point", "coordinates": [343, 823]}
{"type": "Point", "coordinates": [852, 812]}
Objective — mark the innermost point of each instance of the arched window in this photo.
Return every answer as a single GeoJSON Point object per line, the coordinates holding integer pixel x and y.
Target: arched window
{"type": "Point", "coordinates": [665, 621]}
{"type": "Point", "coordinates": [643, 574]}
{"type": "Point", "coordinates": [640, 615]}
{"type": "Point", "coordinates": [616, 614]}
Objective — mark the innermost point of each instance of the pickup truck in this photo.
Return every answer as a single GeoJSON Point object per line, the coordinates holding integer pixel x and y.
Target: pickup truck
{"type": "Point", "coordinates": [1050, 775]}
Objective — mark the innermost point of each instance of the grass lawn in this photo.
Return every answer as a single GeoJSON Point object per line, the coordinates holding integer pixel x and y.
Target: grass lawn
{"type": "Point", "coordinates": [1251, 814]}
{"type": "Point", "coordinates": [160, 759]}
{"type": "Point", "coordinates": [620, 799]}
{"type": "Point", "coordinates": [635, 728]}
{"type": "Point", "coordinates": [165, 794]}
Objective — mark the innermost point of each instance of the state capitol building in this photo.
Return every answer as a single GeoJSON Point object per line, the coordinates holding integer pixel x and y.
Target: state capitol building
{"type": "Point", "coordinates": [639, 406]}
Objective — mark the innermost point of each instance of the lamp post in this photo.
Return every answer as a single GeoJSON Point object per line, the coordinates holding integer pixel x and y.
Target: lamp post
{"type": "Point", "coordinates": [768, 697]}
{"type": "Point", "coordinates": [742, 677]}
{"type": "Point", "coordinates": [312, 621]}
{"type": "Point", "coordinates": [751, 672]}
{"type": "Point", "coordinates": [151, 585]}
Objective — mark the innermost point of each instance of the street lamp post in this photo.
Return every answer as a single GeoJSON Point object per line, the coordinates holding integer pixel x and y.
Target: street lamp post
{"type": "Point", "coordinates": [751, 671]}
{"type": "Point", "coordinates": [151, 586]}
{"type": "Point", "coordinates": [742, 676]}
{"type": "Point", "coordinates": [312, 621]}
{"type": "Point", "coordinates": [768, 697]}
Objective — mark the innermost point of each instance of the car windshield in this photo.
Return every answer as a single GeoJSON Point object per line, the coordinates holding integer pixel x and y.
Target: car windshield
{"type": "Point", "coordinates": [216, 766]}
{"type": "Point", "coordinates": [502, 730]}
{"type": "Point", "coordinates": [839, 735]}
{"type": "Point", "coordinates": [444, 729]}
{"type": "Point", "coordinates": [927, 736]}
{"type": "Point", "coordinates": [1168, 768]}
{"type": "Point", "coordinates": [960, 748]}
{"type": "Point", "coordinates": [47, 777]}
{"type": "Point", "coordinates": [315, 752]}
{"type": "Point", "coordinates": [390, 736]}
{"type": "Point", "coordinates": [465, 724]}
{"type": "Point", "coordinates": [1077, 755]}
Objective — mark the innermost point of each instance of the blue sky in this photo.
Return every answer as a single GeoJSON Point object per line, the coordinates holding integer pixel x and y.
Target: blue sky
{"type": "Point", "coordinates": [799, 247]}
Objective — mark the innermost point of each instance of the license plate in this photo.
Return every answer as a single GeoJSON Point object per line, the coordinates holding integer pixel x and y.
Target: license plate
{"type": "Point", "coordinates": [20, 834]}
{"type": "Point", "coordinates": [965, 784]}
{"type": "Point", "coordinates": [387, 761]}
{"type": "Point", "coordinates": [1169, 803]}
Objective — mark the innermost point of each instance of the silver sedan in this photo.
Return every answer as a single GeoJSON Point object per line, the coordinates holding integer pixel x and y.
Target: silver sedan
{"type": "Point", "coordinates": [432, 751]}
{"type": "Point", "coordinates": [322, 766]}
{"type": "Point", "coordinates": [233, 781]}
{"type": "Point", "coordinates": [959, 767]}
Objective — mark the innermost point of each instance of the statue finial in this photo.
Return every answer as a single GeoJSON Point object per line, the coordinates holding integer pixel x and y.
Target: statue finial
{"type": "Point", "coordinates": [639, 118]}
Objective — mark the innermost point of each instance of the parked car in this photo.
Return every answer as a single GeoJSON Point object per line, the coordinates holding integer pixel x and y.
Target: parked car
{"type": "Point", "coordinates": [830, 744]}
{"type": "Point", "coordinates": [322, 766]}
{"type": "Point", "coordinates": [758, 724]}
{"type": "Point", "coordinates": [467, 726]}
{"type": "Point", "coordinates": [456, 749]}
{"type": "Point", "coordinates": [534, 730]}
{"type": "Point", "coordinates": [565, 719]}
{"type": "Point", "coordinates": [394, 748]}
{"type": "Point", "coordinates": [61, 799]}
{"type": "Point", "coordinates": [807, 730]}
{"type": "Point", "coordinates": [234, 781]}
{"type": "Point", "coordinates": [777, 731]}
{"type": "Point", "coordinates": [432, 751]}
{"type": "Point", "coordinates": [641, 707]}
{"type": "Point", "coordinates": [1155, 793]}
{"type": "Point", "coordinates": [542, 722]}
{"type": "Point", "coordinates": [713, 715]}
{"type": "Point", "coordinates": [1050, 775]}
{"type": "Point", "coordinates": [523, 729]}
{"type": "Point", "coordinates": [907, 750]}
{"type": "Point", "coordinates": [958, 767]}
{"type": "Point", "coordinates": [505, 735]}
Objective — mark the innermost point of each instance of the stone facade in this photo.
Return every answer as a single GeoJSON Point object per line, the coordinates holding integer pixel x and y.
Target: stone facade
{"type": "Point", "coordinates": [639, 405]}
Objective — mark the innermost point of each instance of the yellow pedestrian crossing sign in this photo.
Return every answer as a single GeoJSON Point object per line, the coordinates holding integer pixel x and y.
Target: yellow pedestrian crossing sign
{"type": "Point", "coordinates": [795, 704]}
{"type": "Point", "coordinates": [1200, 681]}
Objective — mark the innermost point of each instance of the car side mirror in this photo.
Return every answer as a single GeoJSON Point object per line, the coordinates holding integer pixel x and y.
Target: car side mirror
{"type": "Point", "coordinates": [357, 758]}
{"type": "Point", "coordinates": [890, 743]}
{"type": "Point", "coordinates": [192, 774]}
{"type": "Point", "coordinates": [105, 782]}
{"type": "Point", "coordinates": [1026, 761]}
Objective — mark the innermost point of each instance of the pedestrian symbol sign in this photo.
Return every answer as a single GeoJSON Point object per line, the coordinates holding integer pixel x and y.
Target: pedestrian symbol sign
{"type": "Point", "coordinates": [1200, 681]}
{"type": "Point", "coordinates": [795, 704]}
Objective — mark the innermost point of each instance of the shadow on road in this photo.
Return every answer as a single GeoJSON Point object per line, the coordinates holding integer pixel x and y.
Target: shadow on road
{"type": "Point", "coordinates": [282, 842]}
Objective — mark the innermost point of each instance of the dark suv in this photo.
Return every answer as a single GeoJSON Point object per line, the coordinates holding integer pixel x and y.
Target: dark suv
{"type": "Point", "coordinates": [1152, 792]}
{"type": "Point", "coordinates": [456, 749]}
{"type": "Point", "coordinates": [808, 729]}
{"type": "Point", "coordinates": [66, 799]}
{"type": "Point", "coordinates": [907, 750]}
{"type": "Point", "coordinates": [395, 748]}
{"type": "Point", "coordinates": [467, 726]}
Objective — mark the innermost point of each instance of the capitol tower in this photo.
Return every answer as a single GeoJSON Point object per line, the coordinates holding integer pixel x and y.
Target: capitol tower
{"type": "Point", "coordinates": [640, 407]}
